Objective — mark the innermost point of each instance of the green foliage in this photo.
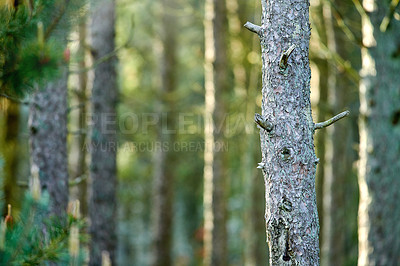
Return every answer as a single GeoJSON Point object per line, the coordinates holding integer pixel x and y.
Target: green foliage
{"type": "Point", "coordinates": [30, 56]}
{"type": "Point", "coordinates": [33, 239]}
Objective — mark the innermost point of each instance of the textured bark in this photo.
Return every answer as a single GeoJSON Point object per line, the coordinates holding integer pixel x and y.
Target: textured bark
{"type": "Point", "coordinates": [379, 165]}
{"type": "Point", "coordinates": [164, 161]}
{"type": "Point", "coordinates": [215, 242]}
{"type": "Point", "coordinates": [288, 158]}
{"type": "Point", "coordinates": [102, 208]}
{"type": "Point", "coordinates": [48, 142]}
{"type": "Point", "coordinates": [339, 182]}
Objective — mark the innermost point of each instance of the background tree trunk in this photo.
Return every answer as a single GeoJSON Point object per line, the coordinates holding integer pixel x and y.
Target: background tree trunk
{"type": "Point", "coordinates": [48, 142]}
{"type": "Point", "coordinates": [340, 185]}
{"type": "Point", "coordinates": [289, 161]}
{"type": "Point", "coordinates": [79, 162]}
{"type": "Point", "coordinates": [318, 39]}
{"type": "Point", "coordinates": [103, 137]}
{"type": "Point", "coordinates": [81, 169]}
{"type": "Point", "coordinates": [379, 165]}
{"type": "Point", "coordinates": [164, 162]}
{"type": "Point", "coordinates": [10, 153]}
{"type": "Point", "coordinates": [215, 190]}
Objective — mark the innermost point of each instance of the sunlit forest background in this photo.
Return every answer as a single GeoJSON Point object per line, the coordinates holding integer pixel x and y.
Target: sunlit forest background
{"type": "Point", "coordinates": [151, 58]}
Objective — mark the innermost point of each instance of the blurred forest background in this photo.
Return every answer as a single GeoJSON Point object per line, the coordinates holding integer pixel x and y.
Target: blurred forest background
{"type": "Point", "coordinates": [137, 80]}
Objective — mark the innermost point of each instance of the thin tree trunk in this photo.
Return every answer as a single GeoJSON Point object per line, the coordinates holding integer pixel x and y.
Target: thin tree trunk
{"type": "Point", "coordinates": [102, 208]}
{"type": "Point", "coordinates": [379, 165]}
{"type": "Point", "coordinates": [79, 162]}
{"type": "Point", "coordinates": [322, 106]}
{"type": "Point", "coordinates": [340, 182]}
{"type": "Point", "coordinates": [10, 154]}
{"type": "Point", "coordinates": [287, 145]}
{"type": "Point", "coordinates": [165, 165]}
{"type": "Point", "coordinates": [254, 253]}
{"type": "Point", "coordinates": [215, 237]}
{"type": "Point", "coordinates": [48, 142]}
{"type": "Point", "coordinates": [328, 246]}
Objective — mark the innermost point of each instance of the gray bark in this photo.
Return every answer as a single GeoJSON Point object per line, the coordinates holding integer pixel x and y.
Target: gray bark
{"type": "Point", "coordinates": [288, 157]}
{"type": "Point", "coordinates": [164, 161]}
{"type": "Point", "coordinates": [48, 142]}
{"type": "Point", "coordinates": [215, 236]}
{"type": "Point", "coordinates": [379, 165]}
{"type": "Point", "coordinates": [102, 208]}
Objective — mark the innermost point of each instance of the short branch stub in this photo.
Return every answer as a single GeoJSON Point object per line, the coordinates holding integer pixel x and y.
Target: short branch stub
{"type": "Point", "coordinates": [263, 122]}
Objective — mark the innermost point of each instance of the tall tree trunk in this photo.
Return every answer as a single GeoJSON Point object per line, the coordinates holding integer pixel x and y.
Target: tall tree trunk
{"type": "Point", "coordinates": [316, 12]}
{"type": "Point", "coordinates": [165, 165]}
{"type": "Point", "coordinates": [340, 182]}
{"type": "Point", "coordinates": [102, 208]}
{"type": "Point", "coordinates": [287, 145]}
{"type": "Point", "coordinates": [82, 98]}
{"type": "Point", "coordinates": [79, 162]}
{"type": "Point", "coordinates": [10, 154]}
{"type": "Point", "coordinates": [329, 234]}
{"type": "Point", "coordinates": [379, 165]}
{"type": "Point", "coordinates": [48, 142]}
{"type": "Point", "coordinates": [254, 253]}
{"type": "Point", "coordinates": [215, 237]}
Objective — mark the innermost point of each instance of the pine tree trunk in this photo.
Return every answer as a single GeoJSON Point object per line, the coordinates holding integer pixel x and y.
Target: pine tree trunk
{"type": "Point", "coordinates": [102, 208]}
{"type": "Point", "coordinates": [379, 165]}
{"type": "Point", "coordinates": [82, 98]}
{"type": "Point", "coordinates": [48, 142]}
{"type": "Point", "coordinates": [339, 182]}
{"type": "Point", "coordinates": [79, 164]}
{"type": "Point", "coordinates": [215, 237]}
{"type": "Point", "coordinates": [254, 251]}
{"type": "Point", "coordinates": [287, 145]}
{"type": "Point", "coordinates": [10, 153]}
{"type": "Point", "coordinates": [164, 161]}
{"type": "Point", "coordinates": [320, 38]}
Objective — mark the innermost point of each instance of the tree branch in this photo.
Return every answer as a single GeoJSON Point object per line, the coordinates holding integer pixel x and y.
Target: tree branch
{"type": "Point", "coordinates": [57, 19]}
{"type": "Point", "coordinates": [13, 99]}
{"type": "Point", "coordinates": [77, 132]}
{"type": "Point", "coordinates": [332, 120]}
{"type": "Point", "coordinates": [263, 122]}
{"type": "Point", "coordinates": [77, 180]}
{"type": "Point", "coordinates": [71, 183]}
{"type": "Point", "coordinates": [386, 20]}
{"type": "Point", "coordinates": [252, 27]}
